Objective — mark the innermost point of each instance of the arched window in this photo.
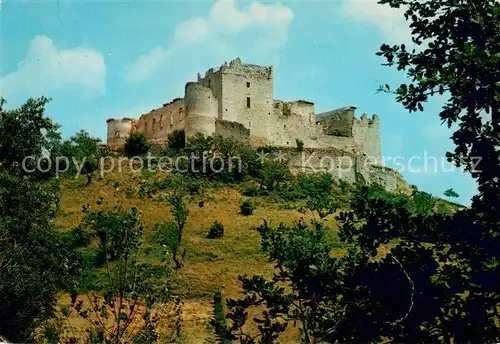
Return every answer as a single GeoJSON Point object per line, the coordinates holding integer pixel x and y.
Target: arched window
{"type": "Point", "coordinates": [117, 134]}
{"type": "Point", "coordinates": [154, 124]}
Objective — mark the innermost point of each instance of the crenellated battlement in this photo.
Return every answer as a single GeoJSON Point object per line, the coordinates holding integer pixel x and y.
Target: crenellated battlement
{"type": "Point", "coordinates": [366, 121]}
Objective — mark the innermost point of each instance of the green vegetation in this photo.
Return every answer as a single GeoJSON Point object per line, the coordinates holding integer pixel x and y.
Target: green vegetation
{"type": "Point", "coordinates": [451, 193]}
{"type": "Point", "coordinates": [216, 230]}
{"type": "Point", "coordinates": [246, 207]}
{"type": "Point", "coordinates": [300, 145]}
{"type": "Point", "coordinates": [82, 152]}
{"type": "Point", "coordinates": [136, 144]}
{"type": "Point", "coordinates": [176, 140]}
{"type": "Point", "coordinates": [124, 257]}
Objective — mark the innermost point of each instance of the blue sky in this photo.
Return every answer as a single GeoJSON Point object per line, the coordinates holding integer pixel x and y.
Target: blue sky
{"type": "Point", "coordinates": [113, 59]}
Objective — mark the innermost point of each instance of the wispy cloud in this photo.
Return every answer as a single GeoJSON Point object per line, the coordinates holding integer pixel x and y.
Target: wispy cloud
{"type": "Point", "coordinates": [46, 68]}
{"type": "Point", "coordinates": [219, 33]}
{"type": "Point", "coordinates": [390, 21]}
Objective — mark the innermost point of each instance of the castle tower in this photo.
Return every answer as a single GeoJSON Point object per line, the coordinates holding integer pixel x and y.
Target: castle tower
{"type": "Point", "coordinates": [247, 95]}
{"type": "Point", "coordinates": [366, 134]}
{"type": "Point", "coordinates": [118, 130]}
{"type": "Point", "coordinates": [201, 109]}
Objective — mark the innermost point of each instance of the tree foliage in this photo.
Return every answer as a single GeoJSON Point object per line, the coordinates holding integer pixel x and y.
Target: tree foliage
{"type": "Point", "coordinates": [25, 134]}
{"type": "Point", "coordinates": [136, 144]}
{"type": "Point", "coordinates": [35, 262]}
{"type": "Point", "coordinates": [123, 309]}
{"type": "Point", "coordinates": [408, 274]}
{"type": "Point", "coordinates": [83, 154]}
{"type": "Point", "coordinates": [451, 193]}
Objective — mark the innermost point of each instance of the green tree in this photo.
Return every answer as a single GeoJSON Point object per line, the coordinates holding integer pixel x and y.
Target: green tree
{"type": "Point", "coordinates": [313, 281]}
{"type": "Point", "coordinates": [451, 193]}
{"type": "Point", "coordinates": [459, 61]}
{"type": "Point", "coordinates": [23, 137]}
{"type": "Point", "coordinates": [123, 309]}
{"type": "Point", "coordinates": [272, 175]}
{"type": "Point", "coordinates": [176, 140]}
{"type": "Point", "coordinates": [35, 261]}
{"type": "Point", "coordinates": [136, 144]}
{"type": "Point", "coordinates": [84, 154]}
{"type": "Point", "coordinates": [169, 234]}
{"type": "Point", "coordinates": [438, 282]}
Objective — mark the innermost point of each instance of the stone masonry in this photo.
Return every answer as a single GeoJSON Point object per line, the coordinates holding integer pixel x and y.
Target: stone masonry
{"type": "Point", "coordinates": [237, 100]}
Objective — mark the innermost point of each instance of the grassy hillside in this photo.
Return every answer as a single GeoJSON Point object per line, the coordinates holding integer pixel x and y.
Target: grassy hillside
{"type": "Point", "coordinates": [210, 264]}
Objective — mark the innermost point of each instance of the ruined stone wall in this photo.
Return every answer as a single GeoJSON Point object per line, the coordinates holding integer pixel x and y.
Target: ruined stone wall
{"type": "Point", "coordinates": [232, 129]}
{"type": "Point", "coordinates": [338, 122]}
{"type": "Point", "coordinates": [237, 99]}
{"type": "Point", "coordinates": [366, 134]}
{"type": "Point", "coordinates": [159, 123]}
{"type": "Point", "coordinates": [291, 121]}
{"type": "Point", "coordinates": [118, 130]}
{"type": "Point", "coordinates": [342, 165]}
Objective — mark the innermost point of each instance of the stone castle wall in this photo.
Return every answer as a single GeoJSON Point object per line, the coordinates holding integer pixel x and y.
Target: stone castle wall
{"type": "Point", "coordinates": [159, 123]}
{"type": "Point", "coordinates": [343, 166]}
{"type": "Point", "coordinates": [237, 100]}
{"type": "Point", "coordinates": [243, 93]}
{"type": "Point", "coordinates": [118, 130]}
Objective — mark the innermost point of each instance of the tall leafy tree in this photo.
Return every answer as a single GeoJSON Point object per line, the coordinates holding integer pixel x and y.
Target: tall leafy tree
{"type": "Point", "coordinates": [83, 153]}
{"type": "Point", "coordinates": [439, 281]}
{"type": "Point", "coordinates": [35, 263]}
{"type": "Point", "coordinates": [460, 60]}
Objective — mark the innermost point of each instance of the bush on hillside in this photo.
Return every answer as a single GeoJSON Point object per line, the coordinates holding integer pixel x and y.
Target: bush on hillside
{"type": "Point", "coordinates": [246, 207]}
{"type": "Point", "coordinates": [216, 231]}
{"type": "Point", "coordinates": [251, 191]}
{"type": "Point", "coordinates": [137, 144]}
{"type": "Point", "coordinates": [300, 145]}
{"type": "Point", "coordinates": [176, 140]}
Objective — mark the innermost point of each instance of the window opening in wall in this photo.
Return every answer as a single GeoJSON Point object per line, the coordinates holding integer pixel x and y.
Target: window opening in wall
{"type": "Point", "coordinates": [284, 126]}
{"type": "Point", "coordinates": [154, 124]}
{"type": "Point", "coordinates": [209, 82]}
{"type": "Point", "coordinates": [145, 126]}
{"type": "Point", "coordinates": [171, 119]}
{"type": "Point", "coordinates": [248, 84]}
{"type": "Point", "coordinates": [117, 134]}
{"type": "Point", "coordinates": [248, 102]}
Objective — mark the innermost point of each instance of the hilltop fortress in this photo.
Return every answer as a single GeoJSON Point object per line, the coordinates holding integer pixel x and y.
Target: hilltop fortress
{"type": "Point", "coordinates": [237, 100]}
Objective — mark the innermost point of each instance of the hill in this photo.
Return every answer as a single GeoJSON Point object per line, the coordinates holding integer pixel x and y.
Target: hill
{"type": "Point", "coordinates": [210, 265]}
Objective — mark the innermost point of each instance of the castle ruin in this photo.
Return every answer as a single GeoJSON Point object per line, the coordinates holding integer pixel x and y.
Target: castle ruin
{"type": "Point", "coordinates": [236, 100]}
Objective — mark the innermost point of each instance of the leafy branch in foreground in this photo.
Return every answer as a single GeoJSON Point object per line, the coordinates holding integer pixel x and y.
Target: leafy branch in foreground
{"type": "Point", "coordinates": [125, 308]}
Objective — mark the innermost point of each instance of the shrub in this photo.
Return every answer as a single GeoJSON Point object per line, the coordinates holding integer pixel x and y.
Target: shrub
{"type": "Point", "coordinates": [216, 231]}
{"type": "Point", "coordinates": [80, 237]}
{"type": "Point", "coordinates": [246, 207]}
{"type": "Point", "coordinates": [177, 140]}
{"type": "Point", "coordinates": [251, 191]}
{"type": "Point", "coordinates": [300, 145]}
{"type": "Point", "coordinates": [117, 231]}
{"type": "Point", "coordinates": [166, 235]}
{"type": "Point", "coordinates": [137, 144]}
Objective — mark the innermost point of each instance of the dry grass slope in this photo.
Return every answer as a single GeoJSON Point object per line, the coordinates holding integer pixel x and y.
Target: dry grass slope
{"type": "Point", "coordinates": [209, 263]}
